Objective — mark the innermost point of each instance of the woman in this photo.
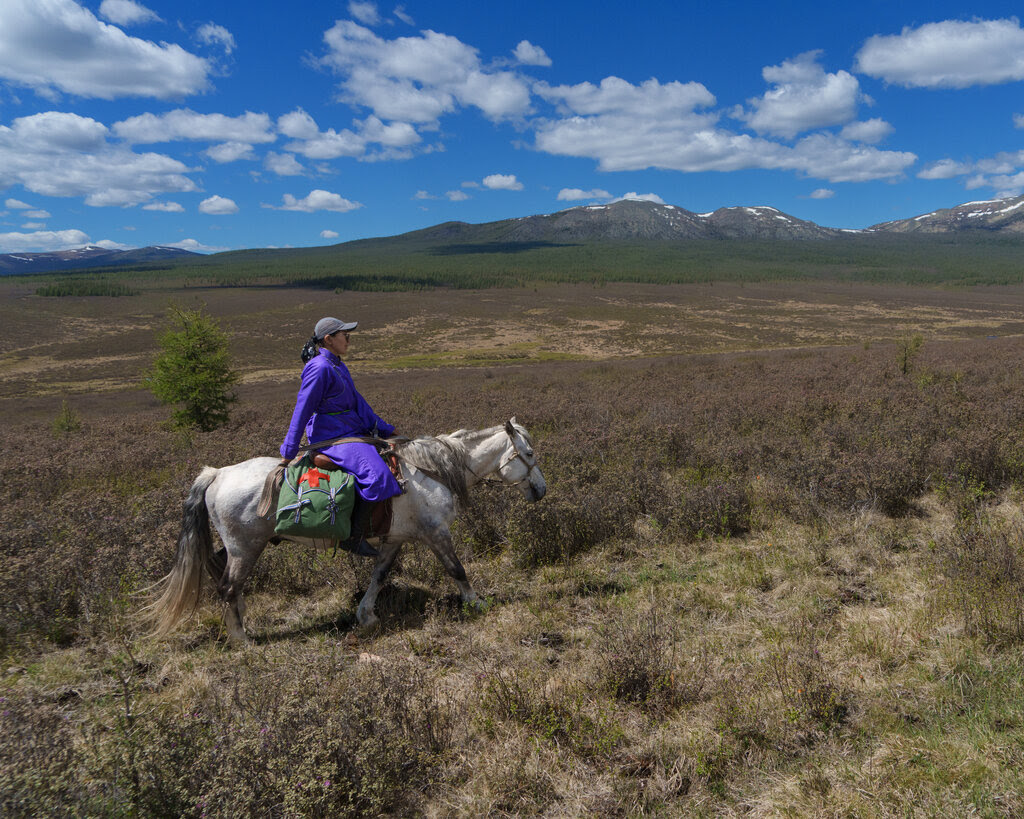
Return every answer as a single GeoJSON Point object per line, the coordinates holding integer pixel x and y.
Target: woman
{"type": "Point", "coordinates": [329, 406]}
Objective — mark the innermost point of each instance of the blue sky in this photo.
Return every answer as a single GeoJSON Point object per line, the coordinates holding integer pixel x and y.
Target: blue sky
{"type": "Point", "coordinates": [221, 125]}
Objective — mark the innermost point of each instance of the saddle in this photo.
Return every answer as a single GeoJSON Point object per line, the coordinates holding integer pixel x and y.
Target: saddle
{"type": "Point", "coordinates": [382, 515]}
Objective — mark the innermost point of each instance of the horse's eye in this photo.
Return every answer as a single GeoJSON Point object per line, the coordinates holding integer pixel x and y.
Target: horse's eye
{"type": "Point", "coordinates": [529, 453]}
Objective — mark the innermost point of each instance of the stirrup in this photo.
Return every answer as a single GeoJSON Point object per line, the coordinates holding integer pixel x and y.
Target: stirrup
{"type": "Point", "coordinates": [362, 548]}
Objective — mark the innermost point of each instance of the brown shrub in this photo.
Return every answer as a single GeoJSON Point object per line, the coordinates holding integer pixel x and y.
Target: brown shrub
{"type": "Point", "coordinates": [639, 662]}
{"type": "Point", "coordinates": [984, 562]}
{"type": "Point", "coordinates": [364, 741]}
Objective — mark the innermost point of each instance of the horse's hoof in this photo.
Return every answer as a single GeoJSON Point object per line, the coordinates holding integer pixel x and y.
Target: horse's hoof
{"type": "Point", "coordinates": [478, 605]}
{"type": "Point", "coordinates": [368, 624]}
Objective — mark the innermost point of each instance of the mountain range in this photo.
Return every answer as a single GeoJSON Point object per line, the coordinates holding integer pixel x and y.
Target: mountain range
{"type": "Point", "coordinates": [992, 215]}
{"type": "Point", "coordinates": [627, 220]}
{"type": "Point", "coordinates": [11, 264]}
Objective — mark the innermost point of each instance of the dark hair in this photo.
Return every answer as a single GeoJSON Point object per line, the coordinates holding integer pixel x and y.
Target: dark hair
{"type": "Point", "coordinates": [309, 349]}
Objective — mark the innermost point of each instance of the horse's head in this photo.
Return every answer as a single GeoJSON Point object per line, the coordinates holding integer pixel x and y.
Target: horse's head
{"type": "Point", "coordinates": [519, 463]}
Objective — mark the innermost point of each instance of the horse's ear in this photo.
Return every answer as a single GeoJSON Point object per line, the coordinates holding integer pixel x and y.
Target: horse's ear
{"type": "Point", "coordinates": [510, 427]}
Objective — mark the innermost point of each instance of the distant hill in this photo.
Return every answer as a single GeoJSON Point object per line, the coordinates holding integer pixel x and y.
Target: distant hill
{"type": "Point", "coordinates": [625, 221]}
{"type": "Point", "coordinates": [992, 215]}
{"type": "Point", "coordinates": [12, 264]}
{"type": "Point", "coordinates": [633, 223]}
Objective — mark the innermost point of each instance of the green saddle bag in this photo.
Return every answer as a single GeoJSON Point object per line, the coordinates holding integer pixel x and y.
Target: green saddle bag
{"type": "Point", "coordinates": [315, 503]}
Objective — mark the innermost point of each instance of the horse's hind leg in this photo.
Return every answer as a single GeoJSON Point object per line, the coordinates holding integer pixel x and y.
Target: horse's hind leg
{"type": "Point", "coordinates": [365, 615]}
{"type": "Point", "coordinates": [239, 565]}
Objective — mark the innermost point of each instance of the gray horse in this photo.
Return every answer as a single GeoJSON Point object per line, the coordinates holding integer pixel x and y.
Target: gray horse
{"type": "Point", "coordinates": [438, 472]}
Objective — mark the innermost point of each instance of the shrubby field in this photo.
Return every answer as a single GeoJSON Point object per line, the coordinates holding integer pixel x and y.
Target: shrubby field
{"type": "Point", "coordinates": [763, 582]}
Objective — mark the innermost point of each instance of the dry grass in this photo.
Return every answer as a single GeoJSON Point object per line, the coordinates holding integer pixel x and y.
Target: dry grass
{"type": "Point", "coordinates": [765, 584]}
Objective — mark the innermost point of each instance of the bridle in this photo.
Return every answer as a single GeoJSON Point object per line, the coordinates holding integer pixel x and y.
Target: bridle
{"type": "Point", "coordinates": [514, 455]}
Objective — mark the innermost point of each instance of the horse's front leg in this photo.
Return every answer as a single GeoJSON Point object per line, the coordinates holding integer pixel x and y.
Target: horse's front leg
{"type": "Point", "coordinates": [441, 545]}
{"type": "Point", "coordinates": [365, 615]}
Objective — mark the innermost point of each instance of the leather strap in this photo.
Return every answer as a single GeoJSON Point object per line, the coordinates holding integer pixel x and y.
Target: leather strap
{"type": "Point", "coordinates": [382, 443]}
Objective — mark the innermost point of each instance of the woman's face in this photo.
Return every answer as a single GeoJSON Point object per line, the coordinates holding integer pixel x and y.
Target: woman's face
{"type": "Point", "coordinates": [337, 343]}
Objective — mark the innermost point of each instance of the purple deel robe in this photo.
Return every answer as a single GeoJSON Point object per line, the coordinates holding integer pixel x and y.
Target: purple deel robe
{"type": "Point", "coordinates": [329, 406]}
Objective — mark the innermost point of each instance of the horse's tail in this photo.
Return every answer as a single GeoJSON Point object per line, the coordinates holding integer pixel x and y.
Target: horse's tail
{"type": "Point", "coordinates": [179, 590]}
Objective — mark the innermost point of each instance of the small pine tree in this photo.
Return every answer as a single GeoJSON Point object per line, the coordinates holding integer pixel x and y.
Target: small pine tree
{"type": "Point", "coordinates": [67, 421]}
{"type": "Point", "coordinates": [909, 347]}
{"type": "Point", "coordinates": [194, 370]}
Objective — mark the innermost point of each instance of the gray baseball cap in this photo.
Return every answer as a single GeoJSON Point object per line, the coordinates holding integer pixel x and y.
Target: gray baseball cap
{"type": "Point", "coordinates": [330, 326]}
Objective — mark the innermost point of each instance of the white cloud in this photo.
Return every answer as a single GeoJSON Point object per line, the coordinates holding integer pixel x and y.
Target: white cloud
{"type": "Point", "coordinates": [402, 15]}
{"type": "Point", "coordinates": [417, 79]}
{"type": "Point", "coordinates": [365, 13]}
{"type": "Point", "coordinates": [298, 125]}
{"type": "Point", "coordinates": [802, 98]}
{"type": "Point", "coordinates": [502, 182]}
{"type": "Point", "coordinates": [943, 169]}
{"type": "Point", "coordinates": [61, 154]}
{"type": "Point", "coordinates": [423, 195]}
{"type": "Point", "coordinates": [218, 206]}
{"type": "Point", "coordinates": [60, 45]}
{"type": "Point", "coordinates": [193, 245]}
{"type": "Point", "coordinates": [17, 204]}
{"type": "Point", "coordinates": [319, 200]}
{"type": "Point", "coordinates": [616, 96]}
{"type": "Point", "coordinates": [822, 193]}
{"type": "Point", "coordinates": [42, 241]}
{"type": "Point", "coordinates": [283, 164]}
{"type": "Point", "coordinates": [33, 225]}
{"type": "Point", "coordinates": [457, 196]}
{"type": "Point", "coordinates": [634, 127]}
{"type": "Point", "coordinates": [870, 131]}
{"type": "Point", "coordinates": [164, 207]}
{"type": "Point", "coordinates": [825, 156]}
{"type": "Point", "coordinates": [230, 152]}
{"type": "Point", "coordinates": [38, 214]}
{"type": "Point", "coordinates": [185, 124]}
{"type": "Point", "coordinates": [110, 244]}
{"type": "Point", "coordinates": [395, 135]}
{"type": "Point", "coordinates": [394, 139]}
{"type": "Point", "coordinates": [1008, 185]}
{"type": "Point", "coordinates": [127, 13]}
{"type": "Point", "coordinates": [211, 33]}
{"type": "Point", "coordinates": [640, 197]}
{"type": "Point", "coordinates": [576, 194]}
{"type": "Point", "coordinates": [328, 234]}
{"type": "Point", "coordinates": [1004, 173]}
{"type": "Point", "coordinates": [1018, 120]}
{"type": "Point", "coordinates": [329, 145]}
{"type": "Point", "coordinates": [529, 54]}
{"type": "Point", "coordinates": [948, 54]}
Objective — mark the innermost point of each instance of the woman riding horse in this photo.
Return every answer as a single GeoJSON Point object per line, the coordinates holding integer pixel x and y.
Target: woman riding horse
{"type": "Point", "coordinates": [329, 406]}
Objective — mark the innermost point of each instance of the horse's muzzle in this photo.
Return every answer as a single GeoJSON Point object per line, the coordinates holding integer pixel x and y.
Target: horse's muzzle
{"type": "Point", "coordinates": [537, 488]}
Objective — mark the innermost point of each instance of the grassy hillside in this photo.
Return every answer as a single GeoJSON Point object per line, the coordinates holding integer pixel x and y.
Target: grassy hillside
{"type": "Point", "coordinates": [777, 583]}
{"type": "Point", "coordinates": [430, 259]}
